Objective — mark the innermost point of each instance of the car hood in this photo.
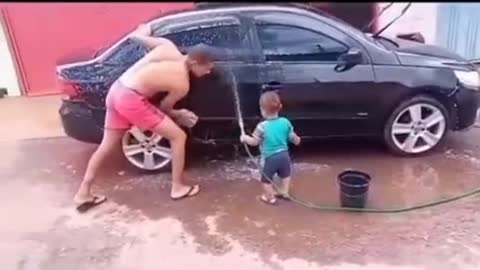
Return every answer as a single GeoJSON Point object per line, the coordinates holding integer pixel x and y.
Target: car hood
{"type": "Point", "coordinates": [413, 53]}
{"type": "Point", "coordinates": [476, 63]}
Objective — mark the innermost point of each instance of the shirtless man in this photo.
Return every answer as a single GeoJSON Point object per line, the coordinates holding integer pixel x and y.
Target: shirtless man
{"type": "Point", "coordinates": [163, 69]}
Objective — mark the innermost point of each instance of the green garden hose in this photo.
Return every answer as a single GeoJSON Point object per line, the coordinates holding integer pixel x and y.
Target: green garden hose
{"type": "Point", "coordinates": [364, 210]}
{"type": "Point", "coordinates": [325, 207]}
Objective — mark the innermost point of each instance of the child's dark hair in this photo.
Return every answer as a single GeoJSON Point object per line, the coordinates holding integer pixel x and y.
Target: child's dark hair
{"type": "Point", "coordinates": [270, 102]}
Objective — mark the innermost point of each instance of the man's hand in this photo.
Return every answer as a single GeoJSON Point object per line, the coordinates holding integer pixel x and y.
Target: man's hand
{"type": "Point", "coordinates": [143, 30]}
{"type": "Point", "coordinates": [185, 118]}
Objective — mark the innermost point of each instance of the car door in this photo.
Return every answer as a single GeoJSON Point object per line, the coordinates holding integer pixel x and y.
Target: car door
{"type": "Point", "coordinates": [212, 97]}
{"type": "Point", "coordinates": [321, 95]}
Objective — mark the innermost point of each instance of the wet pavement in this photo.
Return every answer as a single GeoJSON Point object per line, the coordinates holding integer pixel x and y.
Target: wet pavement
{"type": "Point", "coordinates": [30, 117]}
{"type": "Point", "coordinates": [225, 226]}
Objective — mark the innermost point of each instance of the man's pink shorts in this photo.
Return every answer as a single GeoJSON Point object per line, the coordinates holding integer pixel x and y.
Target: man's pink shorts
{"type": "Point", "coordinates": [127, 107]}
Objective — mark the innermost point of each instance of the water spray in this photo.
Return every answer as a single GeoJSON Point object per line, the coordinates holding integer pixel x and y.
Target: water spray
{"type": "Point", "coordinates": [236, 97]}
{"type": "Point", "coordinates": [241, 125]}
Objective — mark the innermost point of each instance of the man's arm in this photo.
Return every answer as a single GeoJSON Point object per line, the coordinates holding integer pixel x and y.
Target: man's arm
{"type": "Point", "coordinates": [152, 42]}
{"type": "Point", "coordinates": [168, 49]}
{"type": "Point", "coordinates": [182, 117]}
{"type": "Point", "coordinates": [167, 104]}
{"type": "Point", "coordinates": [163, 49]}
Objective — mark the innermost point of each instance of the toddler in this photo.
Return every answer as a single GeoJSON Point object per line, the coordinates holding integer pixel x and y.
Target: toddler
{"type": "Point", "coordinates": [273, 135]}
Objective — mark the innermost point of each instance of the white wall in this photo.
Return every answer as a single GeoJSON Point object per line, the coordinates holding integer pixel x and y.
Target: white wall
{"type": "Point", "coordinates": [420, 17]}
{"type": "Point", "coordinates": [8, 74]}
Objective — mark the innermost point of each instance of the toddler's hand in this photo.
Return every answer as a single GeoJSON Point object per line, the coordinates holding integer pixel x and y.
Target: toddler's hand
{"type": "Point", "coordinates": [296, 140]}
{"type": "Point", "coordinates": [243, 138]}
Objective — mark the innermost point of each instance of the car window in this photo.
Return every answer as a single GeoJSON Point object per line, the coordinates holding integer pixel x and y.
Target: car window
{"type": "Point", "coordinates": [120, 59]}
{"type": "Point", "coordinates": [291, 43]}
{"type": "Point", "coordinates": [227, 39]}
{"type": "Point", "coordinates": [127, 52]}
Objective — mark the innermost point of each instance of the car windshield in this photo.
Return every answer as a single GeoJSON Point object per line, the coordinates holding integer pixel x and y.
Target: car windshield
{"type": "Point", "coordinates": [387, 42]}
{"type": "Point", "coordinates": [379, 40]}
{"type": "Point", "coordinates": [383, 41]}
{"type": "Point", "coordinates": [338, 20]}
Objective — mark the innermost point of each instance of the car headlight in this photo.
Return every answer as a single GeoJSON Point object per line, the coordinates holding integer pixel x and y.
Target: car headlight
{"type": "Point", "coordinates": [470, 79]}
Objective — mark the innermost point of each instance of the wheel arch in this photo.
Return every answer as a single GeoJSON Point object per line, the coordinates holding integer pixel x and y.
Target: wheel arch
{"type": "Point", "coordinates": [434, 98]}
{"type": "Point", "coordinates": [437, 94]}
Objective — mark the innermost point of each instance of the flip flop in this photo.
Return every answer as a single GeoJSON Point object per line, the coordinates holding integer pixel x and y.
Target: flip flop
{"type": "Point", "coordinates": [271, 201]}
{"type": "Point", "coordinates": [96, 200]}
{"type": "Point", "coordinates": [189, 193]}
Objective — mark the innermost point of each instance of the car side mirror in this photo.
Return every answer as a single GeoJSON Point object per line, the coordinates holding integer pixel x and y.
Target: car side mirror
{"type": "Point", "coordinates": [352, 57]}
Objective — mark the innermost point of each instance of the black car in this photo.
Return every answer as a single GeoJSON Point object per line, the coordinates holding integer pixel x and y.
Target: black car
{"type": "Point", "coordinates": [334, 80]}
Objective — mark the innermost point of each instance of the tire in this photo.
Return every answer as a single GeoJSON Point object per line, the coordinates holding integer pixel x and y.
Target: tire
{"type": "Point", "coordinates": [138, 144]}
{"type": "Point", "coordinates": [425, 131]}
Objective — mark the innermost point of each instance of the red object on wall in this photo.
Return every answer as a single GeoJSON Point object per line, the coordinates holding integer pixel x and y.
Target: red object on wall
{"type": "Point", "coordinates": [45, 34]}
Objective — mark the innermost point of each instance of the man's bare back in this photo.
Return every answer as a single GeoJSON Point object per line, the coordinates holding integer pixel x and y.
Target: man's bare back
{"type": "Point", "coordinates": [153, 73]}
{"type": "Point", "coordinates": [163, 69]}
{"type": "Point", "coordinates": [159, 76]}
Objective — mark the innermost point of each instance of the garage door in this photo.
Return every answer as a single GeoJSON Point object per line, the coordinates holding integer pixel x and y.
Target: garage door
{"type": "Point", "coordinates": [45, 34]}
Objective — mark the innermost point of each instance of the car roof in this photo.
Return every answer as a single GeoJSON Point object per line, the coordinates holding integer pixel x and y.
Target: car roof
{"type": "Point", "coordinates": [208, 9]}
{"type": "Point", "coordinates": [214, 7]}
{"type": "Point", "coordinates": [202, 9]}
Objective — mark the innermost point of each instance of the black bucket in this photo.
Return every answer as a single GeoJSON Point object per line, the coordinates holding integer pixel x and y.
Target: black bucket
{"type": "Point", "coordinates": [353, 188]}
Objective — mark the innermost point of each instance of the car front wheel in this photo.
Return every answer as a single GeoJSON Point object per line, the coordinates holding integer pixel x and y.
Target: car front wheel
{"type": "Point", "coordinates": [417, 126]}
{"type": "Point", "coordinates": [146, 151]}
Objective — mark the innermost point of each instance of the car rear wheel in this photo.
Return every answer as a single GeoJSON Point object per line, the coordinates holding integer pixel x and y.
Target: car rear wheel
{"type": "Point", "coordinates": [417, 126]}
{"type": "Point", "coordinates": [146, 151]}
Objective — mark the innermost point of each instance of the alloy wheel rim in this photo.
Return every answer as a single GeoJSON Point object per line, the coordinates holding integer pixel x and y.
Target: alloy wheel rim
{"type": "Point", "coordinates": [145, 149]}
{"type": "Point", "coordinates": [418, 128]}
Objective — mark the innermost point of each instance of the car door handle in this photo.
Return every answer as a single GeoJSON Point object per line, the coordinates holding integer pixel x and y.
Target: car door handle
{"type": "Point", "coordinates": [271, 87]}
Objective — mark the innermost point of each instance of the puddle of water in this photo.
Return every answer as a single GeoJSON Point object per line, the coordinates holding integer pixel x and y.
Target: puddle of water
{"type": "Point", "coordinates": [395, 182]}
{"type": "Point", "coordinates": [28, 209]}
{"type": "Point", "coordinates": [119, 237]}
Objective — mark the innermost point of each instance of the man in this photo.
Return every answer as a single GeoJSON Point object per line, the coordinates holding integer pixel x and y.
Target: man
{"type": "Point", "coordinates": [163, 69]}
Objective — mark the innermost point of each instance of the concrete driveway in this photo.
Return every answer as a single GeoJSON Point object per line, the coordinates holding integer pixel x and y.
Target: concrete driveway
{"type": "Point", "coordinates": [225, 226]}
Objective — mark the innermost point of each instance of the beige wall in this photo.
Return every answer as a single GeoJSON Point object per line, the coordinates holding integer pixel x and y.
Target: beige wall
{"type": "Point", "coordinates": [8, 75]}
{"type": "Point", "coordinates": [421, 17]}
